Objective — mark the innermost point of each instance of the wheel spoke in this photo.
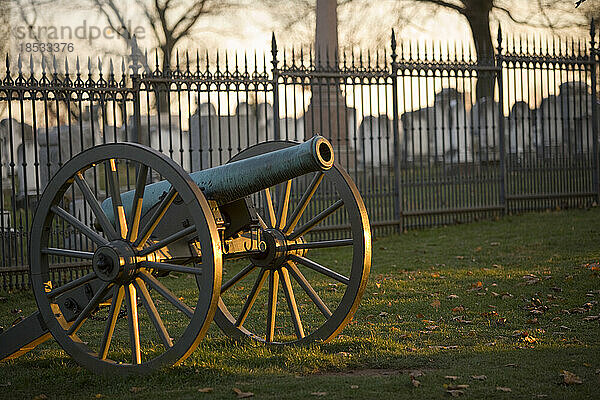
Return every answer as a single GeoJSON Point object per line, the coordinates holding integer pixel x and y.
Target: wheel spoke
{"type": "Point", "coordinates": [107, 226]}
{"type": "Point", "coordinates": [68, 253]}
{"type": "Point", "coordinates": [153, 313]}
{"type": "Point", "coordinates": [261, 222]}
{"type": "Point", "coordinates": [87, 231]}
{"type": "Point", "coordinates": [304, 284]}
{"type": "Point", "coordinates": [167, 294]}
{"type": "Point", "coordinates": [251, 297]}
{"type": "Point", "coordinates": [134, 327]}
{"type": "Point", "coordinates": [316, 220]}
{"type": "Point", "coordinates": [71, 285]}
{"type": "Point", "coordinates": [93, 303]}
{"type": "Point", "coordinates": [291, 301]}
{"type": "Point", "coordinates": [272, 304]}
{"type": "Point", "coordinates": [168, 240]}
{"type": "Point", "coordinates": [319, 268]}
{"type": "Point", "coordinates": [115, 194]}
{"type": "Point", "coordinates": [113, 314]}
{"type": "Point", "coordinates": [238, 277]}
{"type": "Point", "coordinates": [284, 204]}
{"type": "Point", "coordinates": [321, 244]}
{"type": "Point", "coordinates": [155, 219]}
{"type": "Point", "coordinates": [138, 200]}
{"type": "Point", "coordinates": [171, 267]}
{"type": "Point", "coordinates": [270, 208]}
{"type": "Point", "coordinates": [303, 203]}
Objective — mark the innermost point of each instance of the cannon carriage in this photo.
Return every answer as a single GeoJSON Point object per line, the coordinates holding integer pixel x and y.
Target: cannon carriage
{"type": "Point", "coordinates": [167, 252]}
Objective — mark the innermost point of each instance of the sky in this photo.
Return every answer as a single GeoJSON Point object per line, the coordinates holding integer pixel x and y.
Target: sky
{"type": "Point", "coordinates": [249, 28]}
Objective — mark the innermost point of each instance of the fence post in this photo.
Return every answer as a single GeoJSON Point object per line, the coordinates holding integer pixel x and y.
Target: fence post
{"type": "Point", "coordinates": [275, 73]}
{"type": "Point", "coordinates": [395, 121]}
{"type": "Point", "coordinates": [135, 87]}
{"type": "Point", "coordinates": [502, 139]}
{"type": "Point", "coordinates": [594, 65]}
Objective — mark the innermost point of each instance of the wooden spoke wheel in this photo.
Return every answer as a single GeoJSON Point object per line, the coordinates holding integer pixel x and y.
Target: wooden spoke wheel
{"type": "Point", "coordinates": [154, 277]}
{"type": "Point", "coordinates": [322, 281]}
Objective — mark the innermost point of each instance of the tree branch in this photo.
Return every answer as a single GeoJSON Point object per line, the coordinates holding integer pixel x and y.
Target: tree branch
{"type": "Point", "coordinates": [443, 3]}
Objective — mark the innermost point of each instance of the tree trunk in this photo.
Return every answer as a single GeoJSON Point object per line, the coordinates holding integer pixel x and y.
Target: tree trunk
{"type": "Point", "coordinates": [477, 13]}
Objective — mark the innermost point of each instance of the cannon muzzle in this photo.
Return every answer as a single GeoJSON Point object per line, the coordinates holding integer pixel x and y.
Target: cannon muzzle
{"type": "Point", "coordinates": [236, 180]}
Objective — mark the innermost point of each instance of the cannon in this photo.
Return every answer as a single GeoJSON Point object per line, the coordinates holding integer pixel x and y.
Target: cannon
{"type": "Point", "coordinates": [165, 252]}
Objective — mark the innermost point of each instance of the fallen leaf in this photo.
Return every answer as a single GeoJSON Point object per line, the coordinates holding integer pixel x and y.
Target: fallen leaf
{"type": "Point", "coordinates": [98, 396]}
{"type": "Point", "coordinates": [455, 393]}
{"type": "Point", "coordinates": [570, 378]}
{"type": "Point", "coordinates": [479, 377]}
{"type": "Point", "coordinates": [458, 309]}
{"type": "Point", "coordinates": [415, 382]}
{"type": "Point", "coordinates": [40, 397]}
{"type": "Point", "coordinates": [242, 395]}
{"type": "Point", "coordinates": [436, 304]}
{"type": "Point", "coordinates": [415, 374]}
{"type": "Point", "coordinates": [452, 377]}
{"type": "Point", "coordinates": [452, 296]}
{"type": "Point", "coordinates": [503, 389]}
{"type": "Point", "coordinates": [456, 387]}
{"type": "Point", "coordinates": [319, 393]}
{"type": "Point", "coordinates": [205, 390]}
{"type": "Point", "coordinates": [495, 244]}
{"type": "Point", "coordinates": [353, 386]}
{"type": "Point", "coordinates": [135, 389]}
{"type": "Point", "coordinates": [342, 354]}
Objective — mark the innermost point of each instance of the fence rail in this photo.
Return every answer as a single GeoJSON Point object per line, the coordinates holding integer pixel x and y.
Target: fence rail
{"type": "Point", "coordinates": [430, 134]}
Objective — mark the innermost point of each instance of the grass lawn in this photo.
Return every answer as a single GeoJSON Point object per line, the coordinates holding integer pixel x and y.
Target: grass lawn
{"type": "Point", "coordinates": [499, 306]}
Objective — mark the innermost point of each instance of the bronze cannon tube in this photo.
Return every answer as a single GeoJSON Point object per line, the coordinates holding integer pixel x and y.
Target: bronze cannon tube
{"type": "Point", "coordinates": [233, 181]}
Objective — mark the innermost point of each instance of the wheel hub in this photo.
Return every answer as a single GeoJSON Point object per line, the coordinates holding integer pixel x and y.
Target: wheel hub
{"type": "Point", "coordinates": [274, 255]}
{"type": "Point", "coordinates": [115, 262]}
{"type": "Point", "coordinates": [278, 249]}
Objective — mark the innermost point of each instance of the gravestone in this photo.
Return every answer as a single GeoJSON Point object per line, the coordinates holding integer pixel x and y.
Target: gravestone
{"type": "Point", "coordinates": [576, 102]}
{"type": "Point", "coordinates": [521, 136]}
{"type": "Point", "coordinates": [485, 130]}
{"type": "Point", "coordinates": [452, 129]}
{"type": "Point", "coordinates": [417, 139]}
{"type": "Point", "coordinates": [549, 128]}
{"type": "Point", "coordinates": [376, 141]}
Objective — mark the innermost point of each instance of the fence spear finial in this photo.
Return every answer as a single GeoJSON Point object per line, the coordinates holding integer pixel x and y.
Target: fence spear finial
{"type": "Point", "coordinates": [393, 45]}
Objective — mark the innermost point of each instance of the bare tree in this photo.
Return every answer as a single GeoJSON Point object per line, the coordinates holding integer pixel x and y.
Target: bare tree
{"type": "Point", "coordinates": [170, 22]}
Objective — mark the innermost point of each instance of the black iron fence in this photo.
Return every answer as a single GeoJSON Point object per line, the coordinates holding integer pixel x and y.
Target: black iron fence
{"type": "Point", "coordinates": [431, 134]}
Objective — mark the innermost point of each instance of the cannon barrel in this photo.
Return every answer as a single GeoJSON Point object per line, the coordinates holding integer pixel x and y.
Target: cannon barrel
{"type": "Point", "coordinates": [233, 181]}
